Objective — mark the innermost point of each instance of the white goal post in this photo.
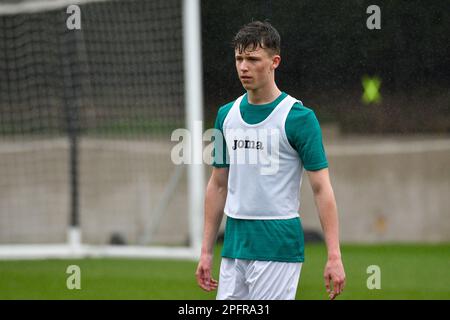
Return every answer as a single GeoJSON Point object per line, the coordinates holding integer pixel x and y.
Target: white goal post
{"type": "Point", "coordinates": [192, 99]}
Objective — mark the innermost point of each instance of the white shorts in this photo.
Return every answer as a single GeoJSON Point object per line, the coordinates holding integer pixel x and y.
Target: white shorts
{"type": "Point", "coordinates": [258, 280]}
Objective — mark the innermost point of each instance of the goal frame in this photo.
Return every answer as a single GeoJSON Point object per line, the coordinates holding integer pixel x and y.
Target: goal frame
{"type": "Point", "coordinates": [193, 99]}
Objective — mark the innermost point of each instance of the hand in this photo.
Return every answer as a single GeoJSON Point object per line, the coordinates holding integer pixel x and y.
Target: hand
{"type": "Point", "coordinates": [203, 273]}
{"type": "Point", "coordinates": [334, 274]}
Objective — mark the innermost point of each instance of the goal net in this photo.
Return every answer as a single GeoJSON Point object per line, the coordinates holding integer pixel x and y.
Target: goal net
{"type": "Point", "coordinates": [90, 92]}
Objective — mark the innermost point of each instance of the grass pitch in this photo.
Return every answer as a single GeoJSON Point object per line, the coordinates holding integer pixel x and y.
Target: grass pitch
{"type": "Point", "coordinates": [407, 272]}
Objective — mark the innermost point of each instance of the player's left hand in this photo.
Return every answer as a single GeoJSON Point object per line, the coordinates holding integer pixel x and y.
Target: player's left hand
{"type": "Point", "coordinates": [334, 276]}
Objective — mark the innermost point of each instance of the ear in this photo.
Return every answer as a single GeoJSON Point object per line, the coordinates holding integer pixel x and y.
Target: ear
{"type": "Point", "coordinates": [276, 59]}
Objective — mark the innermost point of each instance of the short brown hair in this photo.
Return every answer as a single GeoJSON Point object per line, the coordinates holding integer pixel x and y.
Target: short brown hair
{"type": "Point", "coordinates": [255, 34]}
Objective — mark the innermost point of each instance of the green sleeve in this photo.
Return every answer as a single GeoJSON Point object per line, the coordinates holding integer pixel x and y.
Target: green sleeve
{"type": "Point", "coordinates": [220, 153]}
{"type": "Point", "coordinates": [305, 136]}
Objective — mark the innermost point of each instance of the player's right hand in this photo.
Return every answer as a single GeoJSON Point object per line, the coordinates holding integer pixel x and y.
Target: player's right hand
{"type": "Point", "coordinates": [203, 273]}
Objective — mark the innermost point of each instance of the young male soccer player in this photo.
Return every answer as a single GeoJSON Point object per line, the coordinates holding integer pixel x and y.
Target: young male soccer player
{"type": "Point", "coordinates": [263, 247]}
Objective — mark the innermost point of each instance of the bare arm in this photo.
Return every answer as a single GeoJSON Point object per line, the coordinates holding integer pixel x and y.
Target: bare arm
{"type": "Point", "coordinates": [326, 206]}
{"type": "Point", "coordinates": [216, 194]}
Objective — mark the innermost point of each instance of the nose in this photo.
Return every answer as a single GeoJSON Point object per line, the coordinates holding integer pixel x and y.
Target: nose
{"type": "Point", "coordinates": [243, 67]}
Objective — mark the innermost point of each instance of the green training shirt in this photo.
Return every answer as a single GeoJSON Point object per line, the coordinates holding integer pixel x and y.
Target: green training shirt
{"type": "Point", "coordinates": [272, 240]}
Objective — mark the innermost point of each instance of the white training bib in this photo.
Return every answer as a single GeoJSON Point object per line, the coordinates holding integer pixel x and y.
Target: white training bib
{"type": "Point", "coordinates": [265, 172]}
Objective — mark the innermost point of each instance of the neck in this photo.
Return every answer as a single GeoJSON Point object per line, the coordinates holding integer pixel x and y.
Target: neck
{"type": "Point", "coordinates": [263, 95]}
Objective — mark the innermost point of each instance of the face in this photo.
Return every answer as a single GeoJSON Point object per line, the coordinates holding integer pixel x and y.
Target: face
{"type": "Point", "coordinates": [255, 68]}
